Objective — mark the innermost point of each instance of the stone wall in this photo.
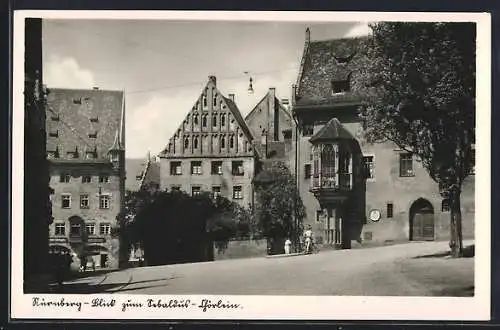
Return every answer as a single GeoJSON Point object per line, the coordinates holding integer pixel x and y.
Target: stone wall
{"type": "Point", "coordinates": [238, 249]}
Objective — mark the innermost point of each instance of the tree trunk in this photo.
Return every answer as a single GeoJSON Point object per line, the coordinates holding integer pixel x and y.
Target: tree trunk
{"type": "Point", "coordinates": [456, 244]}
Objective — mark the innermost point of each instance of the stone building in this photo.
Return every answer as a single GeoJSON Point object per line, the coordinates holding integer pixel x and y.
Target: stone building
{"type": "Point", "coordinates": [86, 149]}
{"type": "Point", "coordinates": [142, 173]}
{"type": "Point", "coordinates": [387, 195]}
{"type": "Point", "coordinates": [212, 150]}
{"type": "Point", "coordinates": [37, 210]}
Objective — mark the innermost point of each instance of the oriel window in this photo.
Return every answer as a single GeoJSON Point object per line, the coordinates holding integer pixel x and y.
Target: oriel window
{"type": "Point", "coordinates": [406, 165]}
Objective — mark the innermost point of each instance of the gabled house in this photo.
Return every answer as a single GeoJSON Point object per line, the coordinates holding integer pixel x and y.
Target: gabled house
{"type": "Point", "coordinates": [212, 150]}
{"type": "Point", "coordinates": [353, 190]}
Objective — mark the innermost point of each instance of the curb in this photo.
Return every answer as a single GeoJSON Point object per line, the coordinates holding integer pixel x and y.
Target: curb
{"type": "Point", "coordinates": [285, 255]}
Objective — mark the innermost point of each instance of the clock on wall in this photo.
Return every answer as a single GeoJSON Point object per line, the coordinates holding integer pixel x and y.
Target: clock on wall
{"type": "Point", "coordinates": [374, 215]}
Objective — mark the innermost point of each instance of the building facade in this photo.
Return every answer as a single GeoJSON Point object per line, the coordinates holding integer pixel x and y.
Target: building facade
{"type": "Point", "coordinates": [211, 151]}
{"type": "Point", "coordinates": [390, 195]}
{"type": "Point", "coordinates": [37, 212]}
{"type": "Point", "coordinates": [86, 149]}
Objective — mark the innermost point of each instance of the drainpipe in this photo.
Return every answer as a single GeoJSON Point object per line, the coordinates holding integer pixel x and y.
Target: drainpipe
{"type": "Point", "coordinates": [296, 165]}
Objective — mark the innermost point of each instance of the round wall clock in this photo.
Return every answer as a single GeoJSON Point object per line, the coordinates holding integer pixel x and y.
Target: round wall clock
{"type": "Point", "coordinates": [375, 215]}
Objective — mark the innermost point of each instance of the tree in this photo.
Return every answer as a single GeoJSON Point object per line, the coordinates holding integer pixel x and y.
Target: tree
{"type": "Point", "coordinates": [421, 96]}
{"type": "Point", "coordinates": [279, 210]}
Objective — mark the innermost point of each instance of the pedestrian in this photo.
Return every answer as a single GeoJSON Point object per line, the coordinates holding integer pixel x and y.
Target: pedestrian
{"type": "Point", "coordinates": [288, 243]}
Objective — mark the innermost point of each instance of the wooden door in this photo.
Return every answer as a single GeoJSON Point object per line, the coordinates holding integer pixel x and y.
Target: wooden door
{"type": "Point", "coordinates": [423, 227]}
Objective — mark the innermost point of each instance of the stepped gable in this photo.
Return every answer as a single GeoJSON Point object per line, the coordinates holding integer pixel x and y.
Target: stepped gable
{"type": "Point", "coordinates": [84, 124]}
{"type": "Point", "coordinates": [198, 126]}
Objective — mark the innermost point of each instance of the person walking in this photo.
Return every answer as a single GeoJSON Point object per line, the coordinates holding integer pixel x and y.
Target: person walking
{"type": "Point", "coordinates": [288, 243]}
{"type": "Point", "coordinates": [308, 239]}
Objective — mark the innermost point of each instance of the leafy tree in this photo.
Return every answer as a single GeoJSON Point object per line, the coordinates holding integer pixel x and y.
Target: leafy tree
{"type": "Point", "coordinates": [175, 227]}
{"type": "Point", "coordinates": [421, 96]}
{"type": "Point", "coordinates": [279, 210]}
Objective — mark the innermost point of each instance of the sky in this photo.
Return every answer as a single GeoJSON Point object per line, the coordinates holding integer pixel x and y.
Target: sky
{"type": "Point", "coordinates": [162, 65]}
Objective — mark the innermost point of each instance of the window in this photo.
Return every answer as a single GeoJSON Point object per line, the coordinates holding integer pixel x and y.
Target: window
{"type": "Point", "coordinates": [216, 191]}
{"type": "Point", "coordinates": [231, 141]}
{"type": "Point", "coordinates": [66, 201]}
{"type": "Point", "coordinates": [64, 178]}
{"type": "Point", "coordinates": [340, 86]}
{"type": "Point", "coordinates": [196, 167]}
{"type": "Point", "coordinates": [52, 154]}
{"type": "Point", "coordinates": [94, 120]}
{"type": "Point", "coordinates": [390, 210]}
{"type": "Point", "coordinates": [217, 167]}
{"type": "Point", "coordinates": [307, 130]}
{"type": "Point", "coordinates": [214, 120]}
{"type": "Point", "coordinates": [319, 215]}
{"type": "Point", "coordinates": [54, 117]}
{"type": "Point", "coordinates": [175, 168]}
{"type": "Point", "coordinates": [204, 121]}
{"type": "Point", "coordinates": [60, 229]}
{"type": "Point", "coordinates": [204, 101]}
{"type": "Point", "coordinates": [406, 165]}
{"type": "Point", "coordinates": [72, 154]}
{"type": "Point", "coordinates": [84, 201]}
{"type": "Point", "coordinates": [186, 143]}
{"type": "Point", "coordinates": [90, 155]}
{"type": "Point", "coordinates": [175, 188]}
{"type": "Point", "coordinates": [195, 142]}
{"type": "Point", "coordinates": [195, 119]}
{"type": "Point", "coordinates": [307, 171]}
{"type": "Point", "coordinates": [54, 133]}
{"type": "Point", "coordinates": [215, 101]}
{"type": "Point", "coordinates": [93, 135]}
{"type": "Point", "coordinates": [368, 167]}
{"type": "Point", "coordinates": [223, 120]}
{"type": "Point", "coordinates": [75, 229]}
{"type": "Point", "coordinates": [103, 179]}
{"type": "Point", "coordinates": [195, 191]}
{"type": "Point", "coordinates": [237, 192]}
{"type": "Point", "coordinates": [90, 227]}
{"type": "Point", "coordinates": [86, 179]}
{"type": "Point", "coordinates": [237, 168]}
{"type": "Point", "coordinates": [77, 101]}
{"type": "Point", "coordinates": [104, 201]}
{"type": "Point", "coordinates": [104, 229]}
{"type": "Point", "coordinates": [223, 141]}
{"type": "Point", "coordinates": [445, 205]}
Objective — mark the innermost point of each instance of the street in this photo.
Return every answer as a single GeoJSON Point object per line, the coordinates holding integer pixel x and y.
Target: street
{"type": "Point", "coordinates": [412, 269]}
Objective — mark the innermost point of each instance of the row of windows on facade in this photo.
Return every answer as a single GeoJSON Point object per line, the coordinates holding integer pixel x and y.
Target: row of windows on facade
{"type": "Point", "coordinates": [237, 168]}
{"type": "Point", "coordinates": [104, 201]}
{"type": "Point", "coordinates": [222, 142]}
{"type": "Point", "coordinates": [405, 167]}
{"type": "Point", "coordinates": [55, 117]}
{"type": "Point", "coordinates": [75, 229]}
{"type": "Point", "coordinates": [216, 191]}
{"type": "Point", "coordinates": [216, 118]}
{"type": "Point", "coordinates": [55, 134]}
{"type": "Point", "coordinates": [66, 178]}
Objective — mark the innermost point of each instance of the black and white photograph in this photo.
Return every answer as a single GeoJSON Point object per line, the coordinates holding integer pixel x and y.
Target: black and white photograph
{"type": "Point", "coordinates": [202, 165]}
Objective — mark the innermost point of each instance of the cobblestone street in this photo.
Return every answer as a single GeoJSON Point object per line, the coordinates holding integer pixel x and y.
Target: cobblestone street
{"type": "Point", "coordinates": [413, 269]}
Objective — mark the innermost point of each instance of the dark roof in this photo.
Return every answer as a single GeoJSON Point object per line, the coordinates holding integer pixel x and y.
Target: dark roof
{"type": "Point", "coordinates": [329, 61]}
{"type": "Point", "coordinates": [239, 118]}
{"type": "Point", "coordinates": [134, 168]}
{"type": "Point", "coordinates": [333, 130]}
{"type": "Point", "coordinates": [84, 121]}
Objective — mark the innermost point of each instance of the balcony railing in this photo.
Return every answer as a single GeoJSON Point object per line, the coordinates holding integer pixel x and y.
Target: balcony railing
{"type": "Point", "coordinates": [337, 182]}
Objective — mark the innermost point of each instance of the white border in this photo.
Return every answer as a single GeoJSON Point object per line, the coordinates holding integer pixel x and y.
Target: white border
{"type": "Point", "coordinates": [276, 307]}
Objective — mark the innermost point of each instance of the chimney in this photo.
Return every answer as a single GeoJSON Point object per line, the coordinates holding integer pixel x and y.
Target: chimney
{"type": "Point", "coordinates": [308, 35]}
{"type": "Point", "coordinates": [95, 88]}
{"type": "Point", "coordinates": [231, 97]}
{"type": "Point", "coordinates": [213, 80]}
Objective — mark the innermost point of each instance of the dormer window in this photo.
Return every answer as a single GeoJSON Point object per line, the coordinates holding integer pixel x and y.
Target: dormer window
{"type": "Point", "coordinates": [339, 87]}
{"type": "Point", "coordinates": [77, 100]}
{"type": "Point", "coordinates": [54, 133]}
{"type": "Point", "coordinates": [342, 60]}
{"type": "Point", "coordinates": [54, 117]}
{"type": "Point", "coordinates": [94, 119]}
{"type": "Point", "coordinates": [93, 135]}
{"type": "Point", "coordinates": [72, 154]}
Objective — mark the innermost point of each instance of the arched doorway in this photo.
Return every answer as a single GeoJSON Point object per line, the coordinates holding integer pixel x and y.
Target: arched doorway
{"type": "Point", "coordinates": [99, 254]}
{"type": "Point", "coordinates": [421, 221]}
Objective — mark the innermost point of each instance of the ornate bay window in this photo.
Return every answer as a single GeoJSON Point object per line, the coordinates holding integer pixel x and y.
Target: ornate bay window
{"type": "Point", "coordinates": [332, 166]}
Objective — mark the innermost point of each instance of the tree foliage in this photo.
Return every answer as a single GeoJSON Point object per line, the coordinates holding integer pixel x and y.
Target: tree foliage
{"type": "Point", "coordinates": [175, 227]}
{"type": "Point", "coordinates": [421, 96]}
{"type": "Point", "coordinates": [279, 210]}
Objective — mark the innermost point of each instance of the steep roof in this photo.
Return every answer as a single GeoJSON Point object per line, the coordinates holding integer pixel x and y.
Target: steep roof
{"type": "Point", "coordinates": [327, 61]}
{"type": "Point", "coordinates": [239, 118]}
{"type": "Point", "coordinates": [332, 131]}
{"type": "Point", "coordinates": [81, 121]}
{"type": "Point", "coordinates": [134, 167]}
